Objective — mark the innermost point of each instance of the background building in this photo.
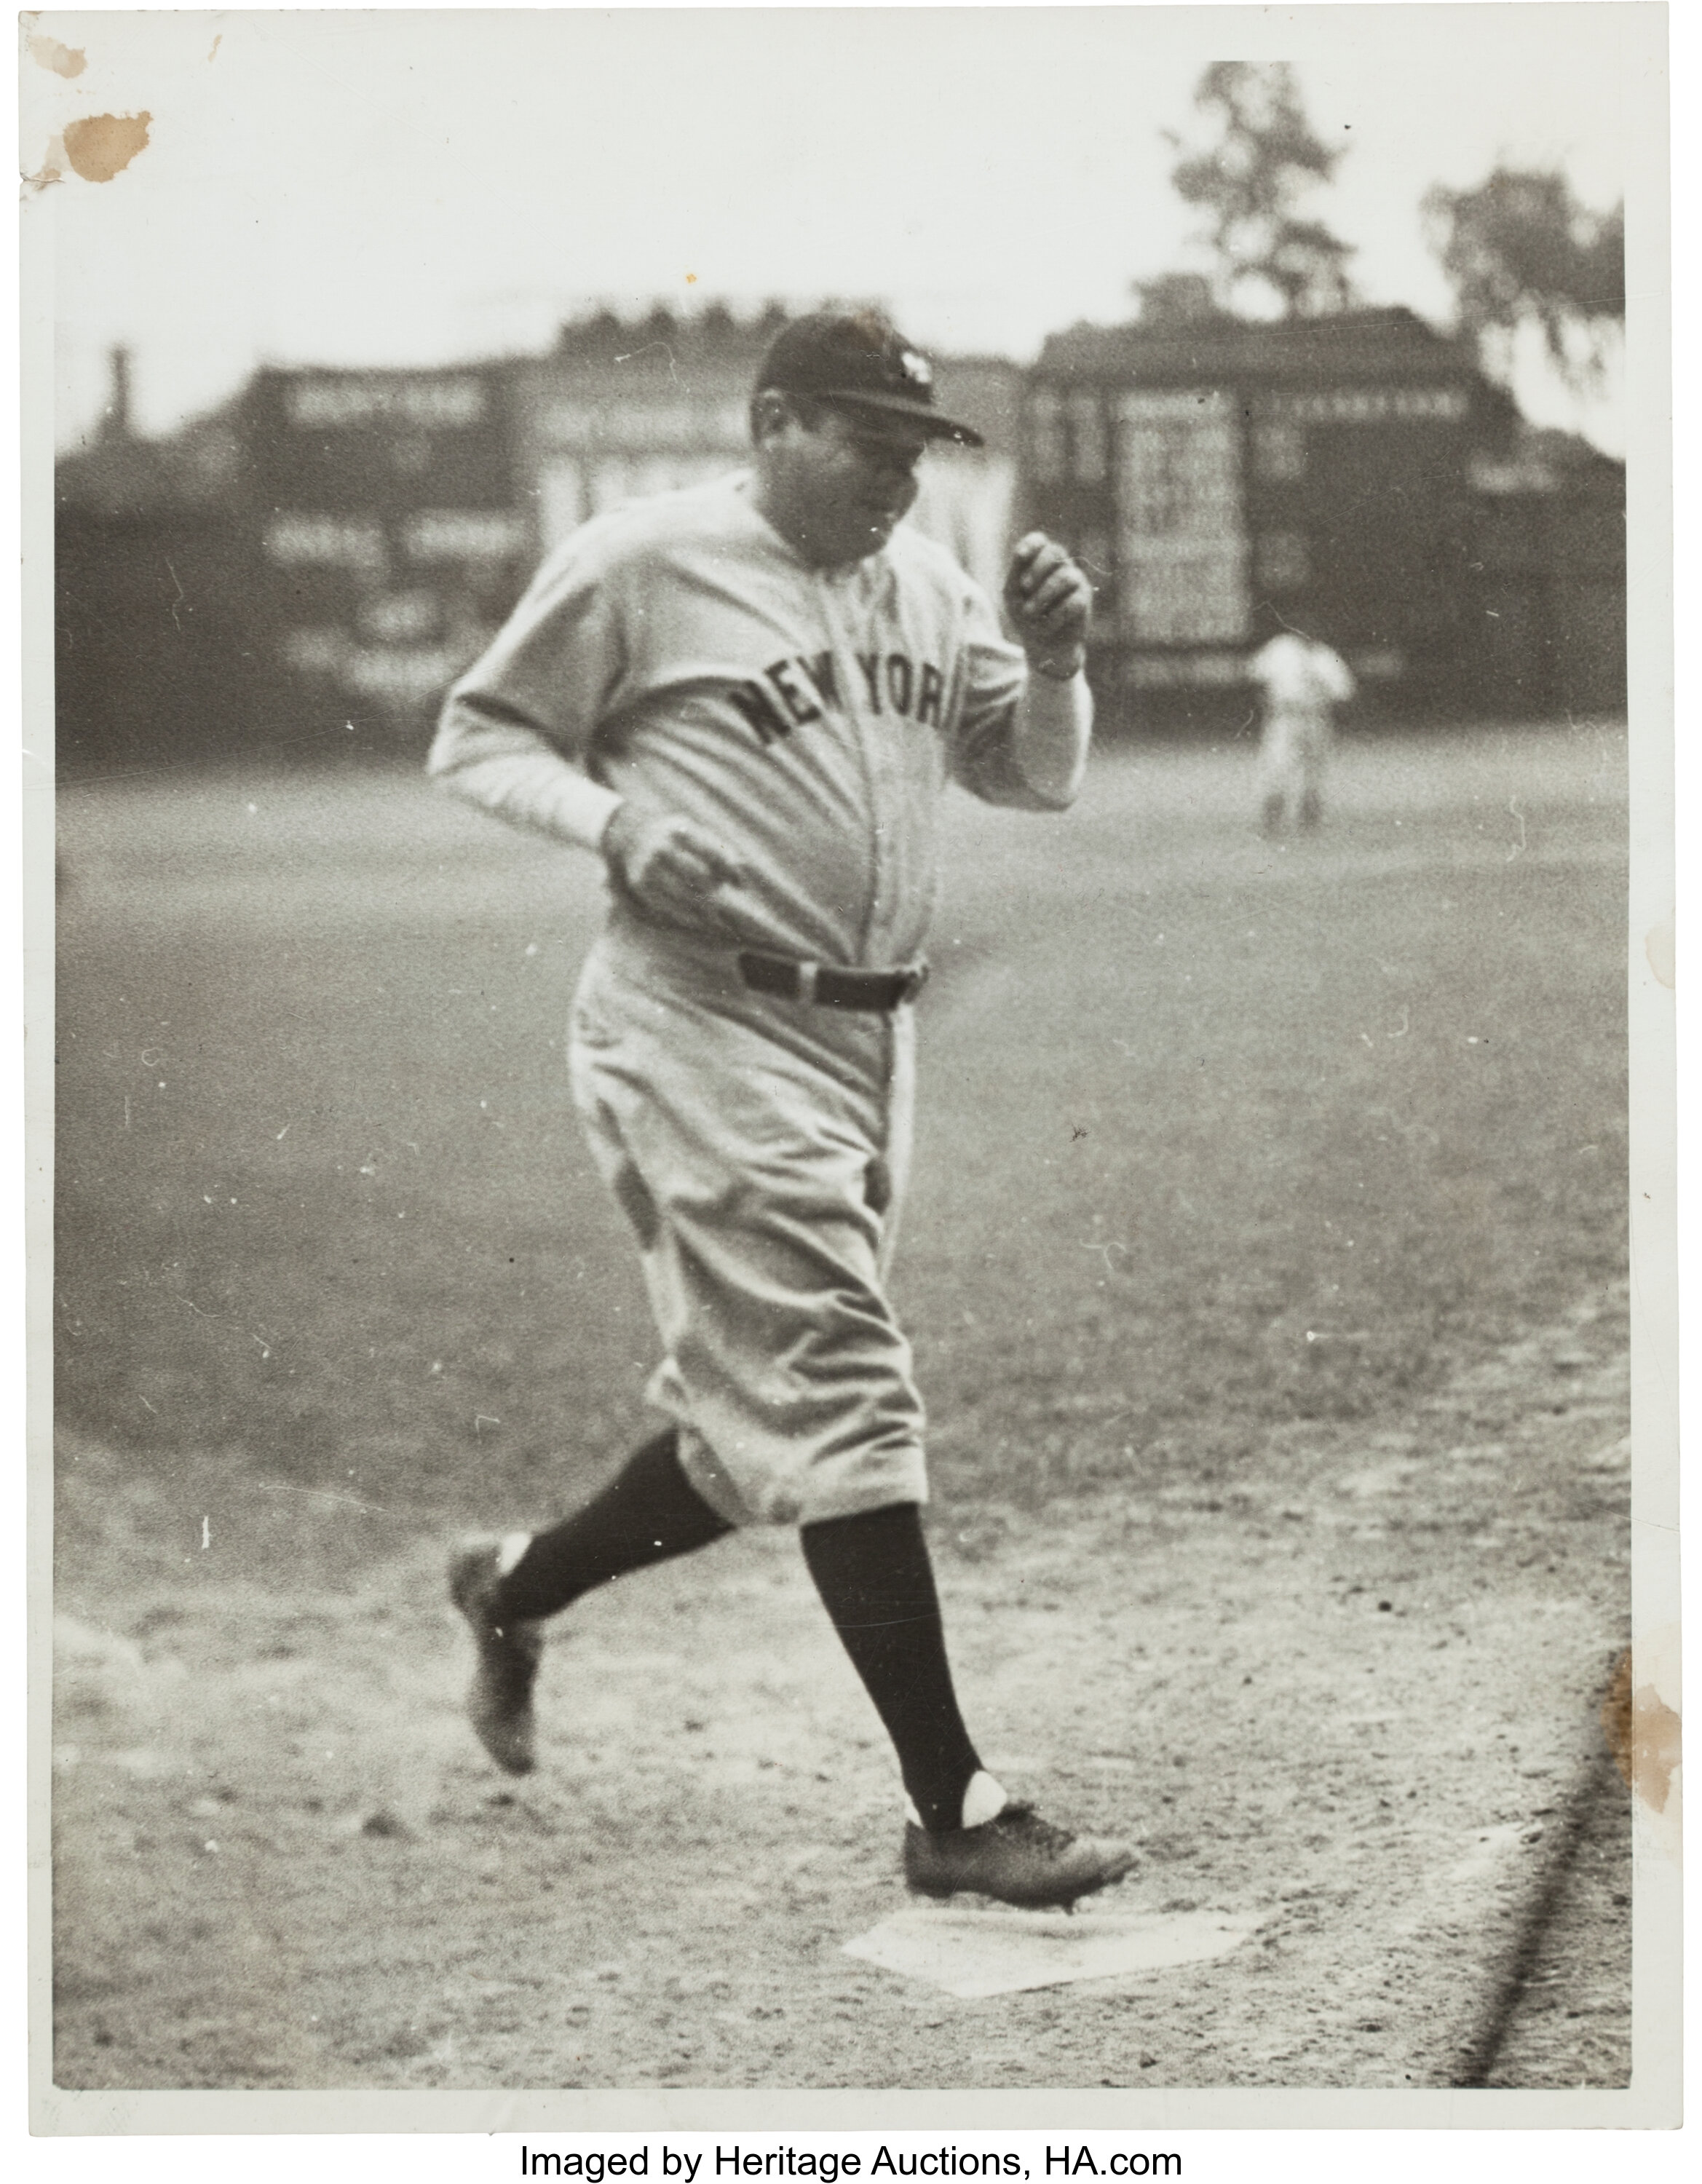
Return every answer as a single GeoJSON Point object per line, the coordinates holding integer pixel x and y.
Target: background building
{"type": "Point", "coordinates": [306, 570]}
{"type": "Point", "coordinates": [386, 511]}
{"type": "Point", "coordinates": [1549, 569]}
{"type": "Point", "coordinates": [303, 571]}
{"type": "Point", "coordinates": [622, 408]}
{"type": "Point", "coordinates": [156, 579]}
{"type": "Point", "coordinates": [1354, 474]}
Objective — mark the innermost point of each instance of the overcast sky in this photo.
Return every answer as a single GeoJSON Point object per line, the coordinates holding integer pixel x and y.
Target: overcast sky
{"type": "Point", "coordinates": [405, 187]}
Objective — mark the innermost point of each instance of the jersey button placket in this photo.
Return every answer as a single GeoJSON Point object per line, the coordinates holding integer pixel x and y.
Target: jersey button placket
{"type": "Point", "coordinates": [885, 789]}
{"type": "Point", "coordinates": [836, 594]}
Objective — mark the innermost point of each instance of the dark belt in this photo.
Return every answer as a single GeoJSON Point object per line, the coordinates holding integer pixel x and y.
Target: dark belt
{"type": "Point", "coordinates": [829, 987]}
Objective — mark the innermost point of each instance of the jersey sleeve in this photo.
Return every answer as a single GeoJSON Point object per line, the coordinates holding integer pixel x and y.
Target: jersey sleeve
{"type": "Point", "coordinates": [516, 728]}
{"type": "Point", "coordinates": [993, 675]}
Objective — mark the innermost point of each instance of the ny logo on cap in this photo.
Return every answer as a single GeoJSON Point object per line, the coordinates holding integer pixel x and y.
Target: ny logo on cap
{"type": "Point", "coordinates": [916, 369]}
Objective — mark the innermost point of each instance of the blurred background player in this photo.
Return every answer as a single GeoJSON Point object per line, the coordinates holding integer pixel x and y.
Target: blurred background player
{"type": "Point", "coordinates": [1303, 680]}
{"type": "Point", "coordinates": [749, 697]}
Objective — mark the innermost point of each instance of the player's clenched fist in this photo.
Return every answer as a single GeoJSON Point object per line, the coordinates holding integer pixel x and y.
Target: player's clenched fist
{"type": "Point", "coordinates": [669, 865]}
{"type": "Point", "coordinates": [1049, 602]}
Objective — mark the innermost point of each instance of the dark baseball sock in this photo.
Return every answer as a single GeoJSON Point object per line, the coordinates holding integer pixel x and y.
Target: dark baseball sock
{"type": "Point", "coordinates": [648, 1512]}
{"type": "Point", "coordinates": [876, 1580]}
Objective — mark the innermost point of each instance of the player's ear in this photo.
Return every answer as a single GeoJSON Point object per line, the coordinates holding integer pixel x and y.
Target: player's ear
{"type": "Point", "coordinates": [770, 414]}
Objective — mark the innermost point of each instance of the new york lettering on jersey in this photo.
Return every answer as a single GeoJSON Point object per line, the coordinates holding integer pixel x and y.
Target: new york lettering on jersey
{"type": "Point", "coordinates": [790, 693]}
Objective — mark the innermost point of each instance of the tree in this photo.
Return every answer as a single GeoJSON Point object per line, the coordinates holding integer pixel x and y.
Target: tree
{"type": "Point", "coordinates": [1251, 179]}
{"type": "Point", "coordinates": [1520, 250]}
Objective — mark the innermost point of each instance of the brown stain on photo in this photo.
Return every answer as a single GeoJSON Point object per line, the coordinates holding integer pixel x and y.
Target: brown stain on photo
{"type": "Point", "coordinates": [103, 145]}
{"type": "Point", "coordinates": [1642, 1734]}
{"type": "Point", "coordinates": [64, 60]}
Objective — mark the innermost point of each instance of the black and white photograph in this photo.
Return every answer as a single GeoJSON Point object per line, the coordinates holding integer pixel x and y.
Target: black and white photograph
{"type": "Point", "coordinates": [852, 905]}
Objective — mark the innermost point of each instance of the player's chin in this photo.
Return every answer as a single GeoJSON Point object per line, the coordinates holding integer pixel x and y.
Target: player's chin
{"type": "Point", "coordinates": [878, 526]}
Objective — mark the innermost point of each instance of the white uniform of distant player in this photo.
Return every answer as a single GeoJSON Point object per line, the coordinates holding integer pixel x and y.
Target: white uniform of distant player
{"type": "Point", "coordinates": [1304, 682]}
{"type": "Point", "coordinates": [680, 654]}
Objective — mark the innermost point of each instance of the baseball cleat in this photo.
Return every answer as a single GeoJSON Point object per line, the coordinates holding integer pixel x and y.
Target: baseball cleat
{"type": "Point", "coordinates": [1016, 1856]}
{"type": "Point", "coordinates": [499, 1699]}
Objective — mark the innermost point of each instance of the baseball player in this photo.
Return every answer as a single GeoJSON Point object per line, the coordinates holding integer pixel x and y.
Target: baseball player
{"type": "Point", "coordinates": [1304, 680]}
{"type": "Point", "coordinates": [748, 698]}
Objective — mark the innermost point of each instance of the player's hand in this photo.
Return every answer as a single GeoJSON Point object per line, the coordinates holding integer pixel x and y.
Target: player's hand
{"type": "Point", "coordinates": [1049, 602]}
{"type": "Point", "coordinates": [669, 866]}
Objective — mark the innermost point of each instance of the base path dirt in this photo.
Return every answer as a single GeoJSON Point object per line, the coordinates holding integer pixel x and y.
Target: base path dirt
{"type": "Point", "coordinates": [1344, 1696]}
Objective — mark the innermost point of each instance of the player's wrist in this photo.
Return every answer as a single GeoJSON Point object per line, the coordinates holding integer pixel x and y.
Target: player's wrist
{"type": "Point", "coordinates": [617, 831]}
{"type": "Point", "coordinates": [1059, 664]}
{"type": "Point", "coordinates": [618, 843]}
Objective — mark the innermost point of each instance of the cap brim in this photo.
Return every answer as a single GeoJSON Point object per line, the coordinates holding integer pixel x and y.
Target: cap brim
{"type": "Point", "coordinates": [900, 405]}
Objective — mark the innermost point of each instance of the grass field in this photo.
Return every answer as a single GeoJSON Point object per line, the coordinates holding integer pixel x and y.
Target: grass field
{"type": "Point", "coordinates": [1236, 1161]}
{"type": "Point", "coordinates": [1210, 1135]}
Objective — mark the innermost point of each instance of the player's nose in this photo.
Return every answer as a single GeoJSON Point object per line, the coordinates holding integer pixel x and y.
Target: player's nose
{"type": "Point", "coordinates": [895, 459]}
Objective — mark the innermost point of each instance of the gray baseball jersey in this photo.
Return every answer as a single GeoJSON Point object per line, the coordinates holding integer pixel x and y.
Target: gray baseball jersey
{"type": "Point", "coordinates": [684, 655]}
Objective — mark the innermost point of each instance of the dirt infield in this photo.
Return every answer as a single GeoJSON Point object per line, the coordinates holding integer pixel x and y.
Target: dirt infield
{"type": "Point", "coordinates": [1267, 1266]}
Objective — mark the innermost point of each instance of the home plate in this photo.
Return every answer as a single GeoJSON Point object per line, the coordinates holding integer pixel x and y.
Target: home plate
{"type": "Point", "coordinates": [972, 1953]}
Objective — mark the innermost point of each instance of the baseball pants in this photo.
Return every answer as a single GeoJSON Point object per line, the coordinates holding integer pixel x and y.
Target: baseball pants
{"type": "Point", "coordinates": [759, 1148]}
{"type": "Point", "coordinates": [1292, 755]}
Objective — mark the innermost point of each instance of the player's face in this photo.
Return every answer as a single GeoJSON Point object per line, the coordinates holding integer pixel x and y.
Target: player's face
{"type": "Point", "coordinates": [839, 486]}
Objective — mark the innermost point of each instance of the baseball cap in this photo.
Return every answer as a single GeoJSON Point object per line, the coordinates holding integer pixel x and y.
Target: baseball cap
{"type": "Point", "coordinates": [859, 358]}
